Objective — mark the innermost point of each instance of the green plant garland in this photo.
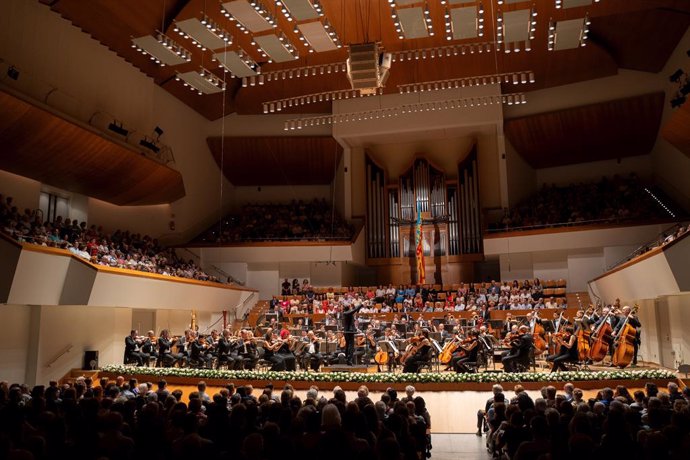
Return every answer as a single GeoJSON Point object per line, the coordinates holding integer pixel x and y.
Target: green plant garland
{"type": "Point", "coordinates": [384, 377]}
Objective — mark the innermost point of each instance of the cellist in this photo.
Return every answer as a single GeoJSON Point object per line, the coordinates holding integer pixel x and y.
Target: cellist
{"type": "Point", "coordinates": [567, 351]}
{"type": "Point", "coordinates": [626, 312]}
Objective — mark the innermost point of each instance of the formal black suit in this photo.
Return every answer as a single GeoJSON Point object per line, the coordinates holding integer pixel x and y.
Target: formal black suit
{"type": "Point", "coordinates": [165, 353]}
{"type": "Point", "coordinates": [634, 322]}
{"type": "Point", "coordinates": [314, 359]}
{"type": "Point", "coordinates": [349, 330]}
{"type": "Point", "coordinates": [133, 351]}
{"type": "Point", "coordinates": [519, 354]}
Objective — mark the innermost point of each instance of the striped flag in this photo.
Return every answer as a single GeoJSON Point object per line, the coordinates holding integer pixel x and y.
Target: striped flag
{"type": "Point", "coordinates": [419, 242]}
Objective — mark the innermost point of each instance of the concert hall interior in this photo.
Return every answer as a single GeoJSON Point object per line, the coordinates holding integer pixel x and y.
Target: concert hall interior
{"type": "Point", "coordinates": [449, 194]}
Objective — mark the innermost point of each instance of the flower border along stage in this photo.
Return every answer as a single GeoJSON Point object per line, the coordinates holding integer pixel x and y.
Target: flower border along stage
{"type": "Point", "coordinates": [384, 377]}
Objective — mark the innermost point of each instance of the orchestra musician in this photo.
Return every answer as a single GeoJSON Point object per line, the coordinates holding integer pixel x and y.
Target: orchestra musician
{"type": "Point", "coordinates": [286, 352]}
{"type": "Point", "coordinates": [519, 353]}
{"type": "Point", "coordinates": [247, 351]}
{"type": "Point", "coordinates": [165, 352]}
{"type": "Point", "coordinates": [272, 344]}
{"type": "Point", "coordinates": [148, 347]}
{"type": "Point", "coordinates": [634, 321]}
{"type": "Point", "coordinates": [199, 351]}
{"type": "Point", "coordinates": [467, 352]}
{"type": "Point", "coordinates": [312, 356]}
{"type": "Point", "coordinates": [224, 350]}
{"type": "Point", "coordinates": [133, 351]}
{"type": "Point", "coordinates": [567, 351]}
{"type": "Point", "coordinates": [420, 352]}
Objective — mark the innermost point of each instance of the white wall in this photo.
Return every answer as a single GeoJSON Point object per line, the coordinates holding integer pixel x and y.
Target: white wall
{"type": "Point", "coordinates": [102, 329]}
{"type": "Point", "coordinates": [148, 220]}
{"type": "Point", "coordinates": [522, 178]}
{"type": "Point", "coordinates": [24, 191]}
{"type": "Point", "coordinates": [14, 346]}
{"type": "Point", "coordinates": [265, 278]}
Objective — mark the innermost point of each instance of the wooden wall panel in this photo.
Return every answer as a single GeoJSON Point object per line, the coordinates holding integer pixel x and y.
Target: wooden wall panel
{"type": "Point", "coordinates": [39, 144]}
{"type": "Point", "coordinates": [677, 129]}
{"type": "Point", "coordinates": [293, 160]}
{"type": "Point", "coordinates": [608, 130]}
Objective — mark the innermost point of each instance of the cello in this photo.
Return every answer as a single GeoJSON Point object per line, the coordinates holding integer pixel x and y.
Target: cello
{"type": "Point", "coordinates": [625, 342]}
{"type": "Point", "coordinates": [602, 340]}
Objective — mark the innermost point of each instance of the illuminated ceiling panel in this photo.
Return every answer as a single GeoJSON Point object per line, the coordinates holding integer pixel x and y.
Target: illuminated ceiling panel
{"type": "Point", "coordinates": [199, 32]}
{"type": "Point", "coordinates": [200, 83]}
{"type": "Point", "coordinates": [275, 48]}
{"type": "Point", "coordinates": [301, 10]}
{"type": "Point", "coordinates": [246, 15]}
{"type": "Point", "coordinates": [236, 64]}
{"type": "Point", "coordinates": [317, 36]}
{"type": "Point", "coordinates": [576, 3]}
{"type": "Point", "coordinates": [413, 23]}
{"type": "Point", "coordinates": [568, 34]}
{"type": "Point", "coordinates": [516, 25]}
{"type": "Point", "coordinates": [164, 54]}
{"type": "Point", "coordinates": [464, 22]}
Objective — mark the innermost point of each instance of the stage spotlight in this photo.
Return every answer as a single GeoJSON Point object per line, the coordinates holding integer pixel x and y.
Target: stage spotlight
{"type": "Point", "coordinates": [13, 73]}
{"type": "Point", "coordinates": [116, 127]}
{"type": "Point", "coordinates": [158, 131]}
{"type": "Point", "coordinates": [675, 78]}
{"type": "Point", "coordinates": [149, 145]}
{"type": "Point", "coordinates": [677, 102]}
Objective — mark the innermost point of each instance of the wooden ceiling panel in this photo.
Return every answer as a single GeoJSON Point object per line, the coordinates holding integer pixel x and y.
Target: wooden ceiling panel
{"type": "Point", "coordinates": [290, 160]}
{"type": "Point", "coordinates": [637, 34]}
{"type": "Point", "coordinates": [677, 129]}
{"type": "Point", "coordinates": [603, 131]}
{"type": "Point", "coordinates": [641, 40]}
{"type": "Point", "coordinates": [40, 145]}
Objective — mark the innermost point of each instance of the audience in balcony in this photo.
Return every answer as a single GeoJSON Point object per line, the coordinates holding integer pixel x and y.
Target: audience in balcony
{"type": "Point", "coordinates": [120, 249]}
{"type": "Point", "coordinates": [612, 199]}
{"type": "Point", "coordinates": [297, 220]}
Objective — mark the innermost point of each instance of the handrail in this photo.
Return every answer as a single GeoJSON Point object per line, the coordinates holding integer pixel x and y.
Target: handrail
{"type": "Point", "coordinates": [493, 231]}
{"type": "Point", "coordinates": [656, 241]}
{"type": "Point", "coordinates": [64, 351]}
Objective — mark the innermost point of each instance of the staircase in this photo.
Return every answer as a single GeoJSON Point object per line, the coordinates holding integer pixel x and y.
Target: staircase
{"type": "Point", "coordinates": [257, 311]}
{"type": "Point", "coordinates": [575, 299]}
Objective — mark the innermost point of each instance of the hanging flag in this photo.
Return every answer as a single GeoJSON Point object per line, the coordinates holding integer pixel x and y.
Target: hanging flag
{"type": "Point", "coordinates": [419, 242]}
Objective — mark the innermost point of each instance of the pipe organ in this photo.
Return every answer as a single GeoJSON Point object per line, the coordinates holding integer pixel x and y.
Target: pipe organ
{"type": "Point", "coordinates": [450, 215]}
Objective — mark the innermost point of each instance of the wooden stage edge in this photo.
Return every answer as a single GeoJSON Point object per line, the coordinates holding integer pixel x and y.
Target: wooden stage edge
{"type": "Point", "coordinates": [383, 386]}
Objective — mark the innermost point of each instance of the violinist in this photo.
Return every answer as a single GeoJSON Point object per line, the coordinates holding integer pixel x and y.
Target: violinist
{"type": "Point", "coordinates": [224, 349]}
{"type": "Point", "coordinates": [167, 356]}
{"type": "Point", "coordinates": [420, 352]}
{"type": "Point", "coordinates": [285, 351]}
{"type": "Point", "coordinates": [272, 344]}
{"type": "Point", "coordinates": [247, 351]}
{"type": "Point", "coordinates": [567, 350]}
{"type": "Point", "coordinates": [149, 346]}
{"type": "Point", "coordinates": [133, 351]}
{"type": "Point", "coordinates": [467, 352]}
{"type": "Point", "coordinates": [312, 356]}
{"type": "Point", "coordinates": [508, 324]}
{"type": "Point", "coordinates": [519, 353]}
{"type": "Point", "coordinates": [199, 351]}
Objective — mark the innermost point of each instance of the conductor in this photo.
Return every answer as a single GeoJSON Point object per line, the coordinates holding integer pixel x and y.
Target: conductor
{"type": "Point", "coordinates": [349, 330]}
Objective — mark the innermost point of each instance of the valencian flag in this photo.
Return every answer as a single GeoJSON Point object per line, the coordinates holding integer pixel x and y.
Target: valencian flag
{"type": "Point", "coordinates": [419, 242]}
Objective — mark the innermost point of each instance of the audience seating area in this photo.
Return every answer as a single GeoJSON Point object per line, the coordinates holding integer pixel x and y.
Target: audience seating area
{"type": "Point", "coordinates": [611, 200]}
{"type": "Point", "coordinates": [119, 249]}
{"type": "Point", "coordinates": [293, 221]}
{"type": "Point", "coordinates": [128, 419]}
{"type": "Point", "coordinates": [647, 424]}
{"type": "Point", "coordinates": [457, 297]}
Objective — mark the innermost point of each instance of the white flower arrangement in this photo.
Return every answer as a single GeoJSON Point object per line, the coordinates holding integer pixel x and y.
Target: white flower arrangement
{"type": "Point", "coordinates": [430, 377]}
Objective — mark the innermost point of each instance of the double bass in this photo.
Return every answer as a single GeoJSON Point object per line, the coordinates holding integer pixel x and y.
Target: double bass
{"type": "Point", "coordinates": [540, 344]}
{"type": "Point", "coordinates": [583, 340]}
{"type": "Point", "coordinates": [602, 340]}
{"type": "Point", "coordinates": [625, 342]}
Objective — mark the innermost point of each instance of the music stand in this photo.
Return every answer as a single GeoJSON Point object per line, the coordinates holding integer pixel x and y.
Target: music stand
{"type": "Point", "coordinates": [548, 326]}
{"type": "Point", "coordinates": [496, 323]}
{"type": "Point", "coordinates": [436, 336]}
{"type": "Point", "coordinates": [331, 327]}
{"type": "Point", "coordinates": [388, 347]}
{"type": "Point", "coordinates": [299, 346]}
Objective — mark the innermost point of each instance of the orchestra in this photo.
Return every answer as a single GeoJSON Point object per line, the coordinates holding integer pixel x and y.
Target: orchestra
{"type": "Point", "coordinates": [593, 335]}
